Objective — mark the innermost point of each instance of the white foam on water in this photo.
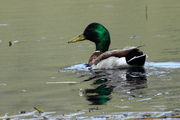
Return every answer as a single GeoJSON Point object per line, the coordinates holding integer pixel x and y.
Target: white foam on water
{"type": "Point", "coordinates": [78, 67]}
{"type": "Point", "coordinates": [3, 25]}
{"type": "Point", "coordinates": [148, 65]}
{"type": "Point", "coordinates": [170, 65]}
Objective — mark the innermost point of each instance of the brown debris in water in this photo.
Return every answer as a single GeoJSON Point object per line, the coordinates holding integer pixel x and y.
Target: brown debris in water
{"type": "Point", "coordinates": [93, 109]}
{"type": "Point", "coordinates": [39, 110]}
{"type": "Point", "coordinates": [10, 43]}
{"type": "Point", "coordinates": [22, 112]}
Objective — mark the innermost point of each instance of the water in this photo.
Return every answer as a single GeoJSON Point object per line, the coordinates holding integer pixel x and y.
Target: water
{"type": "Point", "coordinates": [39, 56]}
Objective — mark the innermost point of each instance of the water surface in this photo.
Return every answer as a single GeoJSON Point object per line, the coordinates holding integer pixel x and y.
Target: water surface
{"type": "Point", "coordinates": [39, 31]}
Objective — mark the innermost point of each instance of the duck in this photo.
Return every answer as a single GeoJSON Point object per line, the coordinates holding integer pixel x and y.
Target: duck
{"type": "Point", "coordinates": [102, 57]}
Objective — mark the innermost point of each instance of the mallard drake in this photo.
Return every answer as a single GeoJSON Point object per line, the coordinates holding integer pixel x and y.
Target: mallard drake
{"type": "Point", "coordinates": [103, 58]}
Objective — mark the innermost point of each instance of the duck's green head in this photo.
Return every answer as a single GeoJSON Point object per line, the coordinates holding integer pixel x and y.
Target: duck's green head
{"type": "Point", "coordinates": [96, 33]}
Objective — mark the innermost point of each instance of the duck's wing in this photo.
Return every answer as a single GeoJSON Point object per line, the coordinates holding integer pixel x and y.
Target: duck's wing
{"type": "Point", "coordinates": [116, 53]}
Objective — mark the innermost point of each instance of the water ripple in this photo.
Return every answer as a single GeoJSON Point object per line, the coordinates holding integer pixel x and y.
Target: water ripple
{"type": "Point", "coordinates": [148, 65]}
{"type": "Point", "coordinates": [169, 65]}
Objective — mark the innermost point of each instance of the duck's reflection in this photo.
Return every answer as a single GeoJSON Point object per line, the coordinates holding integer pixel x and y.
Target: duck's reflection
{"type": "Point", "coordinates": [105, 81]}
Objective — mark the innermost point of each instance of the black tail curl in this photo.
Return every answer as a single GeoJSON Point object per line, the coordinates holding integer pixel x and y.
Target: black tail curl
{"type": "Point", "coordinates": [136, 58]}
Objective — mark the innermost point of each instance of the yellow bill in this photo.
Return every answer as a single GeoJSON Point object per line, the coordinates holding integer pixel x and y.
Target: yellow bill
{"type": "Point", "coordinates": [77, 39]}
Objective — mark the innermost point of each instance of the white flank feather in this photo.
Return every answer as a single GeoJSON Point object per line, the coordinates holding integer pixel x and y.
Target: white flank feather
{"type": "Point", "coordinates": [111, 63]}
